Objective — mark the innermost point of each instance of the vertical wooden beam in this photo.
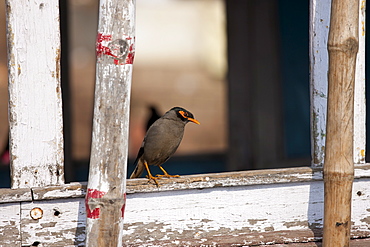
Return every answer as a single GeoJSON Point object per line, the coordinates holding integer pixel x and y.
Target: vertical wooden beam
{"type": "Point", "coordinates": [69, 169]}
{"type": "Point", "coordinates": [35, 101]}
{"type": "Point", "coordinates": [267, 138]}
{"type": "Point", "coordinates": [253, 85]}
{"type": "Point", "coordinates": [106, 195]}
{"type": "Point", "coordinates": [319, 29]}
{"type": "Point", "coordinates": [338, 166]}
{"type": "Point", "coordinates": [360, 102]}
{"type": "Point", "coordinates": [240, 153]}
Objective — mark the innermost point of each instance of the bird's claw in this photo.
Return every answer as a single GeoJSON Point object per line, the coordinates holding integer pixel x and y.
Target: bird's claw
{"type": "Point", "coordinates": [154, 179]}
{"type": "Point", "coordinates": [167, 176]}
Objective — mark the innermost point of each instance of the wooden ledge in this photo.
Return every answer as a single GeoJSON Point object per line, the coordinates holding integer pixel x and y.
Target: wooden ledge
{"type": "Point", "coordinates": [15, 195]}
{"type": "Point", "coordinates": [293, 238]}
{"type": "Point", "coordinates": [71, 190]}
{"type": "Point", "coordinates": [226, 179]}
{"type": "Point", "coordinates": [198, 181]}
{"type": "Point", "coordinates": [240, 178]}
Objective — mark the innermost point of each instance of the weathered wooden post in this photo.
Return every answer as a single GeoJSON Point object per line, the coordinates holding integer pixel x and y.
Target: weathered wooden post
{"type": "Point", "coordinates": [106, 195]}
{"type": "Point", "coordinates": [338, 166]}
{"type": "Point", "coordinates": [35, 101]}
{"type": "Point", "coordinates": [319, 22]}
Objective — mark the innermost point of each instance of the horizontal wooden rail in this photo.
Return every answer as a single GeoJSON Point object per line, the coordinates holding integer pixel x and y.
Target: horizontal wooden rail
{"type": "Point", "coordinates": [243, 208]}
{"type": "Point", "coordinates": [198, 181]}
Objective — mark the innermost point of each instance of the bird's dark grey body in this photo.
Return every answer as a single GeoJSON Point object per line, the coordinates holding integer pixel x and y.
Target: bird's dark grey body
{"type": "Point", "coordinates": [162, 139]}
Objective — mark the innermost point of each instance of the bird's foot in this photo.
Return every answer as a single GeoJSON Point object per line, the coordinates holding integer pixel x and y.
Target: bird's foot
{"type": "Point", "coordinates": [166, 175]}
{"type": "Point", "coordinates": [154, 179]}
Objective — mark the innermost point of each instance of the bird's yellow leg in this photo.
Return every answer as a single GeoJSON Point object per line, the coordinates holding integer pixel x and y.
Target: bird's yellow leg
{"type": "Point", "coordinates": [150, 176]}
{"type": "Point", "coordinates": [165, 174]}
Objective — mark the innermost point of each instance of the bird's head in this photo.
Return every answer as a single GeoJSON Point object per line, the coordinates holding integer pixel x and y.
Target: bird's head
{"type": "Point", "coordinates": [184, 115]}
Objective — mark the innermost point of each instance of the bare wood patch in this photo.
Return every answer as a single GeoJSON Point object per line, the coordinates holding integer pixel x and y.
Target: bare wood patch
{"type": "Point", "coordinates": [199, 181]}
{"type": "Point", "coordinates": [15, 195]}
{"type": "Point", "coordinates": [240, 178]}
{"type": "Point", "coordinates": [10, 234]}
{"type": "Point", "coordinates": [203, 214]}
{"type": "Point", "coordinates": [62, 223]}
{"type": "Point", "coordinates": [71, 190]}
{"type": "Point", "coordinates": [256, 206]}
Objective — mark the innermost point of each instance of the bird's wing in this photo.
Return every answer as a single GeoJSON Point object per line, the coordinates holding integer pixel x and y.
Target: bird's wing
{"type": "Point", "coordinates": [139, 168]}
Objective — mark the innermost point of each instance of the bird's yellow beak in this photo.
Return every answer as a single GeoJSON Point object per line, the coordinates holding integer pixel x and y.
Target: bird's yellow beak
{"type": "Point", "coordinates": [193, 120]}
{"type": "Point", "coordinates": [185, 115]}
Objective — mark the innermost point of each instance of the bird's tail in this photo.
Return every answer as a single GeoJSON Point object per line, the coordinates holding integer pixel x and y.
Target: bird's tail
{"type": "Point", "coordinates": [138, 169]}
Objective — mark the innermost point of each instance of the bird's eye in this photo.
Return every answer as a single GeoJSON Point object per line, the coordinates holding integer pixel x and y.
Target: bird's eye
{"type": "Point", "coordinates": [184, 114]}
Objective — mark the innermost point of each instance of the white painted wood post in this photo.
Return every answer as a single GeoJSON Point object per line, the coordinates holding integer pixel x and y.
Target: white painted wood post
{"type": "Point", "coordinates": [360, 103]}
{"type": "Point", "coordinates": [319, 30]}
{"type": "Point", "coordinates": [106, 195]}
{"type": "Point", "coordinates": [35, 101]}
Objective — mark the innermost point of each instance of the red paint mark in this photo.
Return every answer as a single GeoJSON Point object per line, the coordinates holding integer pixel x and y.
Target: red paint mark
{"type": "Point", "coordinates": [130, 55]}
{"type": "Point", "coordinates": [117, 62]}
{"type": "Point", "coordinates": [92, 193]}
{"type": "Point", "coordinates": [104, 50]}
{"type": "Point", "coordinates": [123, 206]}
{"type": "Point", "coordinates": [100, 48]}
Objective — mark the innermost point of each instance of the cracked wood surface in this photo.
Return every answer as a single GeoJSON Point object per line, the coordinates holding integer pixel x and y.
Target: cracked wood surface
{"type": "Point", "coordinates": [35, 95]}
{"type": "Point", "coordinates": [263, 207]}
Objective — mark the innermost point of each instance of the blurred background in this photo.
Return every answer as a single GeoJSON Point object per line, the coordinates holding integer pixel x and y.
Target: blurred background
{"type": "Point", "coordinates": [241, 67]}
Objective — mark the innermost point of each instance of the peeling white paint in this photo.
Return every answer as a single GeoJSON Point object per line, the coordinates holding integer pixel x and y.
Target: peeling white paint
{"type": "Point", "coordinates": [319, 23]}
{"type": "Point", "coordinates": [249, 214]}
{"type": "Point", "coordinates": [359, 131]}
{"type": "Point", "coordinates": [35, 104]}
{"type": "Point", "coordinates": [10, 232]}
{"type": "Point", "coordinates": [319, 30]}
{"type": "Point", "coordinates": [361, 206]}
{"type": "Point", "coordinates": [213, 209]}
{"type": "Point", "coordinates": [109, 149]}
{"type": "Point", "coordinates": [67, 228]}
{"type": "Point", "coordinates": [260, 208]}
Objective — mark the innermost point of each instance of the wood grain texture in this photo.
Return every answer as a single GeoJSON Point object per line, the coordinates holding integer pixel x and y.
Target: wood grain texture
{"type": "Point", "coordinates": [35, 102]}
{"type": "Point", "coordinates": [359, 118]}
{"type": "Point", "coordinates": [71, 190]}
{"type": "Point", "coordinates": [189, 182]}
{"type": "Point", "coordinates": [339, 164]}
{"type": "Point", "coordinates": [319, 30]}
{"type": "Point", "coordinates": [319, 23]}
{"type": "Point", "coordinates": [107, 173]}
{"type": "Point", "coordinates": [15, 195]}
{"type": "Point", "coordinates": [62, 223]}
{"type": "Point", "coordinates": [10, 232]}
{"type": "Point", "coordinates": [282, 206]}
{"type": "Point", "coordinates": [205, 215]}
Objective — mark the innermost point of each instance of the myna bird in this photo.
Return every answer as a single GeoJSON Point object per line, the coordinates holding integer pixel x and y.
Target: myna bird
{"type": "Point", "coordinates": [161, 141]}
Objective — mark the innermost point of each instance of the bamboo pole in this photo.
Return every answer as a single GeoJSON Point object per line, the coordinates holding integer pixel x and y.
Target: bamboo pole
{"type": "Point", "coordinates": [338, 165]}
{"type": "Point", "coordinates": [106, 195]}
